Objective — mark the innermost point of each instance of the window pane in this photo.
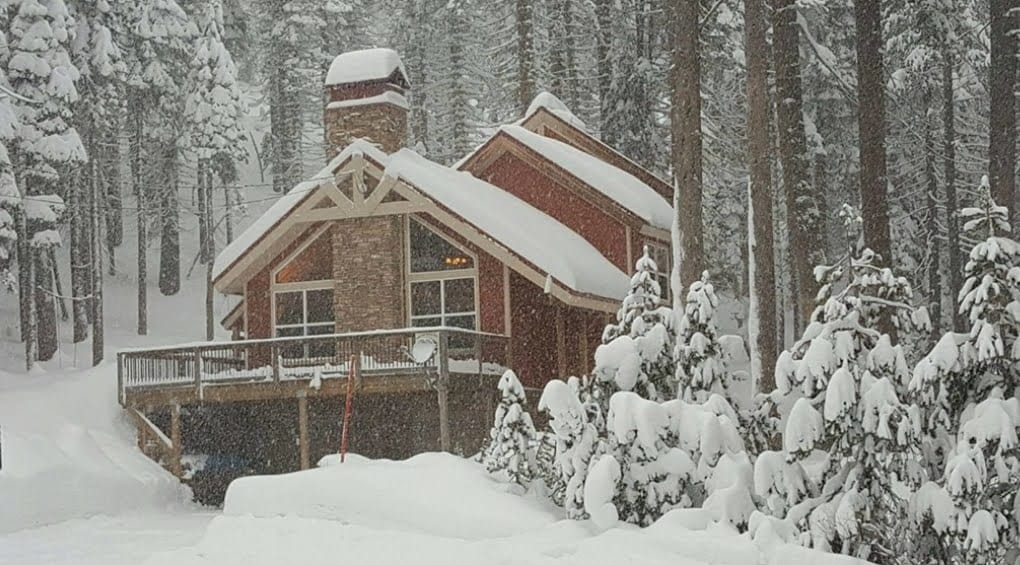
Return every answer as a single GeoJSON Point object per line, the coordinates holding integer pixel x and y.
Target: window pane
{"type": "Point", "coordinates": [465, 322]}
{"type": "Point", "coordinates": [314, 263]}
{"type": "Point", "coordinates": [292, 350]}
{"type": "Point", "coordinates": [322, 347]}
{"type": "Point", "coordinates": [320, 306]}
{"type": "Point", "coordinates": [425, 298]}
{"type": "Point", "coordinates": [288, 308]}
{"type": "Point", "coordinates": [430, 252]}
{"type": "Point", "coordinates": [460, 295]}
{"type": "Point", "coordinates": [426, 322]}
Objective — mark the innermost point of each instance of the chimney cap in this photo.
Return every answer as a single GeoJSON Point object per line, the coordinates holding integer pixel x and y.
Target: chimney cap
{"type": "Point", "coordinates": [367, 65]}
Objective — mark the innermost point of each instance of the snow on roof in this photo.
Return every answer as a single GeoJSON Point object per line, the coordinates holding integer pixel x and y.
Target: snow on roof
{"type": "Point", "coordinates": [236, 248]}
{"type": "Point", "coordinates": [556, 107]}
{"type": "Point", "coordinates": [364, 65]}
{"type": "Point", "coordinates": [617, 184]}
{"type": "Point", "coordinates": [388, 97]}
{"type": "Point", "coordinates": [528, 232]}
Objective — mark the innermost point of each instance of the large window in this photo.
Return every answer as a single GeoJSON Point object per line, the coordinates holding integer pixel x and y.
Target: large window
{"type": "Point", "coordinates": [305, 312]}
{"type": "Point", "coordinates": [660, 254]}
{"type": "Point", "coordinates": [442, 283]}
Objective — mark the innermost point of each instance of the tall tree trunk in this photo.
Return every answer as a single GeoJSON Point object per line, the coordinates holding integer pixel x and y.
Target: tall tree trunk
{"type": "Point", "coordinates": [525, 53]}
{"type": "Point", "coordinates": [603, 64]}
{"type": "Point", "coordinates": [934, 240]}
{"type": "Point", "coordinates": [107, 173]}
{"type": "Point", "coordinates": [949, 164]}
{"type": "Point", "coordinates": [97, 268]}
{"type": "Point", "coordinates": [804, 222]}
{"type": "Point", "coordinates": [24, 279]}
{"type": "Point", "coordinates": [1002, 114]}
{"type": "Point", "coordinates": [685, 118]}
{"type": "Point", "coordinates": [143, 231]}
{"type": "Point", "coordinates": [210, 250]}
{"type": "Point", "coordinates": [45, 308]}
{"type": "Point", "coordinates": [871, 127]}
{"type": "Point", "coordinates": [228, 213]}
{"type": "Point", "coordinates": [81, 252]}
{"type": "Point", "coordinates": [170, 231]}
{"type": "Point", "coordinates": [203, 224]}
{"type": "Point", "coordinates": [31, 331]}
{"type": "Point", "coordinates": [58, 285]}
{"type": "Point", "coordinates": [761, 261]}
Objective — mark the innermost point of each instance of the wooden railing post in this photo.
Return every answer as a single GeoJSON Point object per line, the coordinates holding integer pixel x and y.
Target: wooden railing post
{"type": "Point", "coordinates": [197, 360]}
{"type": "Point", "coordinates": [275, 350]}
{"type": "Point", "coordinates": [121, 394]}
{"type": "Point", "coordinates": [443, 391]}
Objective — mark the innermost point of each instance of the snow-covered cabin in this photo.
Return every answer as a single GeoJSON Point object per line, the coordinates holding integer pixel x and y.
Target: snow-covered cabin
{"type": "Point", "coordinates": [531, 236]}
{"type": "Point", "coordinates": [515, 257]}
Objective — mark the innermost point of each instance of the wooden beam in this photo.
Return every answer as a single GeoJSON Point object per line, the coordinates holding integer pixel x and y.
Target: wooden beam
{"type": "Point", "coordinates": [443, 393]}
{"type": "Point", "coordinates": [303, 439]}
{"type": "Point", "coordinates": [582, 337]}
{"type": "Point", "coordinates": [175, 440]}
{"type": "Point", "coordinates": [561, 342]}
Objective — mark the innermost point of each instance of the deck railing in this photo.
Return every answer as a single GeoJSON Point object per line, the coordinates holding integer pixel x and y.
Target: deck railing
{"type": "Point", "coordinates": [441, 350]}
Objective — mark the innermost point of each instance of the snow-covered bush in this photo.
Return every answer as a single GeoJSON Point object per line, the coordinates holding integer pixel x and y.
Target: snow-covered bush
{"type": "Point", "coordinates": [659, 456]}
{"type": "Point", "coordinates": [577, 441]}
{"type": "Point", "coordinates": [637, 351]}
{"type": "Point", "coordinates": [510, 454]}
{"type": "Point", "coordinates": [700, 359]}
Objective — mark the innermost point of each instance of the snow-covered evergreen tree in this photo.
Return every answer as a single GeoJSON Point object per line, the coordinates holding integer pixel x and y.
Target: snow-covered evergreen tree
{"type": "Point", "coordinates": [700, 367]}
{"type": "Point", "coordinates": [636, 352]}
{"type": "Point", "coordinates": [510, 454]}
{"type": "Point", "coordinates": [577, 442]}
{"type": "Point", "coordinates": [870, 438]}
{"type": "Point", "coordinates": [966, 379]}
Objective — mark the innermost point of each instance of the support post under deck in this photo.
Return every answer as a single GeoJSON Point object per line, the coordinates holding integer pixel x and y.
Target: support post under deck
{"type": "Point", "coordinates": [303, 438]}
{"type": "Point", "coordinates": [175, 440]}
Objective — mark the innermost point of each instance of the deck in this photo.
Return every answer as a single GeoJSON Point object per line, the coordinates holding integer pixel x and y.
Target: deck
{"type": "Point", "coordinates": [410, 360]}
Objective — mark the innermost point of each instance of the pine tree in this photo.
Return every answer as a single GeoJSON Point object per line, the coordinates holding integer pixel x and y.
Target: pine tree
{"type": "Point", "coordinates": [576, 442]}
{"type": "Point", "coordinates": [853, 371]}
{"type": "Point", "coordinates": [510, 454]}
{"type": "Point", "coordinates": [636, 352]}
{"type": "Point", "coordinates": [42, 73]}
{"type": "Point", "coordinates": [700, 367]}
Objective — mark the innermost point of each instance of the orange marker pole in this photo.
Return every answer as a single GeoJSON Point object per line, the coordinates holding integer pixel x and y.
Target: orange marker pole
{"type": "Point", "coordinates": [348, 408]}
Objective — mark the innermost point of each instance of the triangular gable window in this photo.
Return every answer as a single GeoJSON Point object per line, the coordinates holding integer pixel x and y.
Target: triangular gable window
{"type": "Point", "coordinates": [431, 253]}
{"type": "Point", "coordinates": [313, 263]}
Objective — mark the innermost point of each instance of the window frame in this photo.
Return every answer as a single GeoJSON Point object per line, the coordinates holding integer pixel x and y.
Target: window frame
{"type": "Point", "coordinates": [442, 277]}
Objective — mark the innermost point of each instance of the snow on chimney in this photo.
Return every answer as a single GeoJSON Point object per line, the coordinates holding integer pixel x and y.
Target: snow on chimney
{"type": "Point", "coordinates": [365, 99]}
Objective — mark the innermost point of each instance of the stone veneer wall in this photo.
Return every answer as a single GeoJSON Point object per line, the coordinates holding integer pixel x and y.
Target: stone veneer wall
{"type": "Point", "coordinates": [368, 270]}
{"type": "Point", "coordinates": [383, 124]}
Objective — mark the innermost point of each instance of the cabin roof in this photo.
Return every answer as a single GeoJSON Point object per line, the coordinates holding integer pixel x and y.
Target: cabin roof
{"type": "Point", "coordinates": [550, 247]}
{"type": "Point", "coordinates": [614, 183]}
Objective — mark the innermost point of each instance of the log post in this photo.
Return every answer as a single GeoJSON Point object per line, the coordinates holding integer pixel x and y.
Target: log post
{"type": "Point", "coordinates": [443, 391]}
{"type": "Point", "coordinates": [275, 351]}
{"type": "Point", "coordinates": [561, 343]}
{"type": "Point", "coordinates": [303, 439]}
{"type": "Point", "coordinates": [175, 440]}
{"type": "Point", "coordinates": [198, 371]}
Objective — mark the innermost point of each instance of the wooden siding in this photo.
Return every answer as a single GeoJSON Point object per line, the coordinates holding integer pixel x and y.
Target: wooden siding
{"type": "Point", "coordinates": [605, 232]}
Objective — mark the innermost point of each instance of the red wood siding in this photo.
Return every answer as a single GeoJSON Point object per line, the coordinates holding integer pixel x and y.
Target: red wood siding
{"type": "Point", "coordinates": [602, 230]}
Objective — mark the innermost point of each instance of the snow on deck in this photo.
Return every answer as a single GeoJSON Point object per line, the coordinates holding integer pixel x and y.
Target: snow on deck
{"type": "Point", "coordinates": [616, 184]}
{"type": "Point", "coordinates": [364, 65]}
{"type": "Point", "coordinates": [512, 222]}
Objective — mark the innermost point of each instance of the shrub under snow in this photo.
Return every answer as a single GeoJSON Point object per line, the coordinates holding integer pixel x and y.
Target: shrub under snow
{"type": "Point", "coordinates": [510, 454]}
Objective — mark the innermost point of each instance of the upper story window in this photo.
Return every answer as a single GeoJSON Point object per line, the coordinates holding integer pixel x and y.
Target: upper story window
{"type": "Point", "coordinates": [302, 313]}
{"type": "Point", "coordinates": [430, 252]}
{"type": "Point", "coordinates": [662, 257]}
{"type": "Point", "coordinates": [442, 283]}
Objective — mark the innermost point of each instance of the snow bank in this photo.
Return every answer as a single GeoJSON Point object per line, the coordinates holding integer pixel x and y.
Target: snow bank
{"type": "Point", "coordinates": [433, 493]}
{"type": "Point", "coordinates": [68, 453]}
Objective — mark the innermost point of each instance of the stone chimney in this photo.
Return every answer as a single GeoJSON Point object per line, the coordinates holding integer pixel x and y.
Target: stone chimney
{"type": "Point", "coordinates": [365, 93]}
